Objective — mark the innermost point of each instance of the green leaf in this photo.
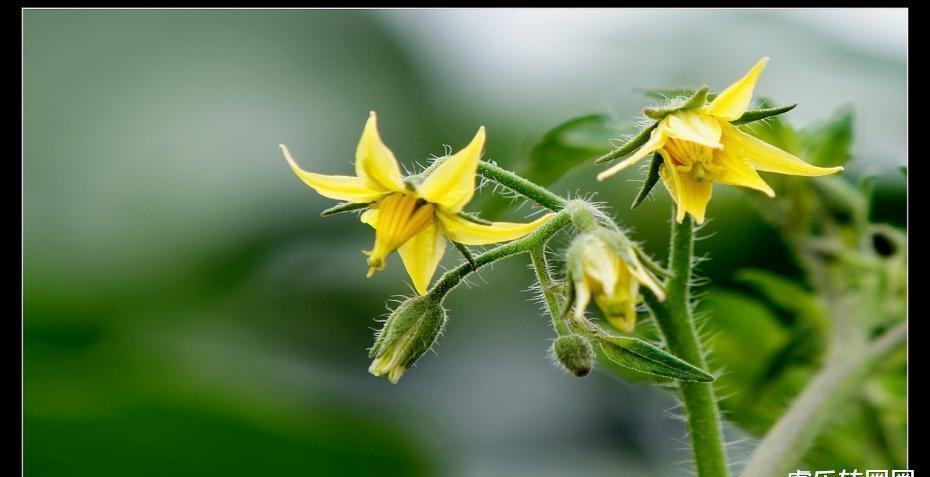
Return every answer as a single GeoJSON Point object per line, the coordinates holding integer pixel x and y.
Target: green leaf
{"type": "Point", "coordinates": [639, 355]}
{"type": "Point", "coordinates": [567, 145]}
{"type": "Point", "coordinates": [343, 207]}
{"type": "Point", "coordinates": [652, 177]}
{"type": "Point", "coordinates": [762, 113]}
{"type": "Point", "coordinates": [830, 142]}
{"type": "Point", "coordinates": [785, 294]}
{"type": "Point", "coordinates": [629, 146]}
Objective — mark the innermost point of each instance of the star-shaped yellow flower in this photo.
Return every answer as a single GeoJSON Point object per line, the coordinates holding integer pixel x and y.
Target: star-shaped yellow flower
{"type": "Point", "coordinates": [413, 215]}
{"type": "Point", "coordinates": [700, 146]}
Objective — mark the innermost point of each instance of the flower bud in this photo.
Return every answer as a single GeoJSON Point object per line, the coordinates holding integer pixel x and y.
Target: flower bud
{"type": "Point", "coordinates": [574, 353]}
{"type": "Point", "coordinates": [602, 265]}
{"type": "Point", "coordinates": [408, 333]}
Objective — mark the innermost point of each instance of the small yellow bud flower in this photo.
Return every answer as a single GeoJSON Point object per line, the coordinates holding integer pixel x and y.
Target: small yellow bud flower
{"type": "Point", "coordinates": [413, 215]}
{"type": "Point", "coordinates": [597, 270]}
{"type": "Point", "coordinates": [700, 146]}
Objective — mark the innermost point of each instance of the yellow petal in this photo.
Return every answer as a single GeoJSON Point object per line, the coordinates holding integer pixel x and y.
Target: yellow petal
{"type": "Point", "coordinates": [656, 140]}
{"type": "Point", "coordinates": [602, 266]}
{"type": "Point", "coordinates": [766, 157]}
{"type": "Point", "coordinates": [347, 188]}
{"type": "Point", "coordinates": [695, 127]}
{"type": "Point", "coordinates": [370, 217]}
{"type": "Point", "coordinates": [642, 275]}
{"type": "Point", "coordinates": [400, 217]}
{"type": "Point", "coordinates": [452, 184]}
{"type": "Point", "coordinates": [374, 162]}
{"type": "Point", "coordinates": [421, 256]}
{"type": "Point", "coordinates": [733, 101]}
{"type": "Point", "coordinates": [691, 195]}
{"type": "Point", "coordinates": [734, 170]}
{"type": "Point", "coordinates": [467, 232]}
{"type": "Point", "coordinates": [582, 298]}
{"type": "Point", "coordinates": [694, 195]}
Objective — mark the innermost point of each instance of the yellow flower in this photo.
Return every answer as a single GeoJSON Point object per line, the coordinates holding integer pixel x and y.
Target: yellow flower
{"type": "Point", "coordinates": [700, 146]}
{"type": "Point", "coordinates": [413, 215]}
{"type": "Point", "coordinates": [597, 270]}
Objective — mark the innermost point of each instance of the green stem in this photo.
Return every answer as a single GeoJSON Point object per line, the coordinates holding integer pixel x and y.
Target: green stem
{"type": "Point", "coordinates": [677, 326]}
{"type": "Point", "coordinates": [536, 239]}
{"type": "Point", "coordinates": [526, 188]}
{"type": "Point", "coordinates": [784, 446]}
{"type": "Point", "coordinates": [541, 267]}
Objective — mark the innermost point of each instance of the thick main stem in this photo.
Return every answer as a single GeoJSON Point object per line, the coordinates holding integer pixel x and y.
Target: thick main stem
{"type": "Point", "coordinates": [785, 444]}
{"type": "Point", "coordinates": [677, 326]}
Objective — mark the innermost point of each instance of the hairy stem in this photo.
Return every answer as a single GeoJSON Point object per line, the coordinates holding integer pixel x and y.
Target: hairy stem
{"type": "Point", "coordinates": [536, 239]}
{"type": "Point", "coordinates": [522, 186]}
{"type": "Point", "coordinates": [785, 444]}
{"type": "Point", "coordinates": [677, 326]}
{"type": "Point", "coordinates": [538, 256]}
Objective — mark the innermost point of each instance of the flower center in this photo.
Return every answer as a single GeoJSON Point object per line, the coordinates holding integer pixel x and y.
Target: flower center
{"type": "Point", "coordinates": [400, 217]}
{"type": "Point", "coordinates": [691, 157]}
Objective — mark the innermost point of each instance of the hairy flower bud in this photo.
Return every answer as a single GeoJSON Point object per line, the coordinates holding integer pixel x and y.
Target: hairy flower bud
{"type": "Point", "coordinates": [408, 333]}
{"type": "Point", "coordinates": [602, 265]}
{"type": "Point", "coordinates": [574, 353]}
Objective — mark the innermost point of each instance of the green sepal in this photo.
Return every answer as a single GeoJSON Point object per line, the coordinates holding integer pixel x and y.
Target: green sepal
{"type": "Point", "coordinates": [696, 100]}
{"type": "Point", "coordinates": [466, 254]}
{"type": "Point", "coordinates": [644, 357]}
{"type": "Point", "coordinates": [629, 146]}
{"type": "Point", "coordinates": [343, 207]}
{"type": "Point", "coordinates": [473, 218]}
{"type": "Point", "coordinates": [652, 178]}
{"type": "Point", "coordinates": [759, 114]}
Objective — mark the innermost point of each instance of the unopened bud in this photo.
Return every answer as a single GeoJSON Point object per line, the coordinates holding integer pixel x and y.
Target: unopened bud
{"type": "Point", "coordinates": [408, 333]}
{"type": "Point", "coordinates": [574, 353]}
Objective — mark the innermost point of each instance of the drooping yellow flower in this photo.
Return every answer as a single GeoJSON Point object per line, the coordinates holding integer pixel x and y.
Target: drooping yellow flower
{"type": "Point", "coordinates": [413, 215]}
{"type": "Point", "coordinates": [598, 271]}
{"type": "Point", "coordinates": [700, 146]}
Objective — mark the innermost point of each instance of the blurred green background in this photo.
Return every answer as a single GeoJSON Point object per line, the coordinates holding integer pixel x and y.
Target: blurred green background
{"type": "Point", "coordinates": [187, 311]}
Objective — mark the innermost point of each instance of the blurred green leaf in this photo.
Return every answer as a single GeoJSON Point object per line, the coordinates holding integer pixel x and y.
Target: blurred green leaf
{"type": "Point", "coordinates": [830, 142]}
{"type": "Point", "coordinates": [786, 294]}
{"type": "Point", "coordinates": [164, 439]}
{"type": "Point", "coordinates": [569, 144]}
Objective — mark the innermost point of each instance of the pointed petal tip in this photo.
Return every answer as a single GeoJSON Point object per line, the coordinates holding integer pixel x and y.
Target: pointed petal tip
{"type": "Point", "coordinates": [480, 135]}
{"type": "Point", "coordinates": [288, 157]}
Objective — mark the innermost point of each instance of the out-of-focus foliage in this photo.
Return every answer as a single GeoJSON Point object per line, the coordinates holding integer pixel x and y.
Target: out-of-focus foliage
{"type": "Point", "coordinates": [770, 334]}
{"type": "Point", "coordinates": [855, 288]}
{"type": "Point", "coordinates": [570, 144]}
{"type": "Point", "coordinates": [187, 311]}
